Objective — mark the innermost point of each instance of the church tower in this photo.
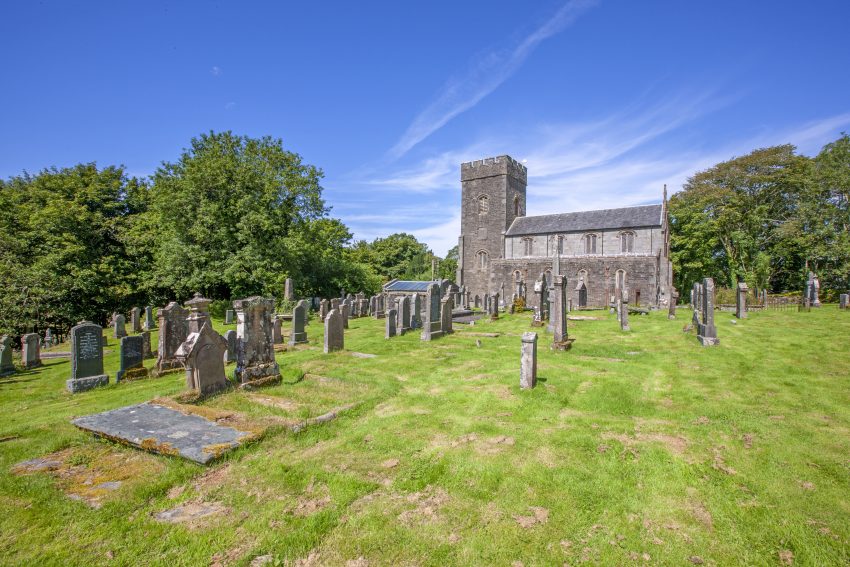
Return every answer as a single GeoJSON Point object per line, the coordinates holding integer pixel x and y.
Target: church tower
{"type": "Point", "coordinates": [492, 196]}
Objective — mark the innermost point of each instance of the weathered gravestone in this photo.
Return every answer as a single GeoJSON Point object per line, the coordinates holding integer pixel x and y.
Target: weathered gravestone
{"type": "Point", "coordinates": [255, 349]}
{"type": "Point", "coordinates": [334, 333]}
{"type": "Point", "coordinates": [288, 290]}
{"type": "Point", "coordinates": [403, 322]}
{"type": "Point", "coordinates": [671, 310]}
{"type": "Point", "coordinates": [299, 321]}
{"type": "Point", "coordinates": [198, 312]}
{"type": "Point", "coordinates": [843, 300]}
{"type": "Point", "coordinates": [487, 303]}
{"type": "Point", "coordinates": [7, 367]}
{"type": "Point", "coordinates": [48, 338]}
{"type": "Point", "coordinates": [228, 316]}
{"type": "Point", "coordinates": [277, 330]}
{"type": "Point", "coordinates": [131, 358]}
{"type": "Point", "coordinates": [173, 330]}
{"type": "Point", "coordinates": [446, 307]}
{"type": "Point", "coordinates": [558, 315]}
{"type": "Point", "coordinates": [136, 319]}
{"type": "Point", "coordinates": [706, 331]}
{"type": "Point", "coordinates": [323, 309]}
{"type": "Point", "coordinates": [345, 311]}
{"type": "Point", "coordinates": [119, 326]}
{"type": "Point", "coordinates": [494, 306]}
{"type": "Point", "coordinates": [528, 361]}
{"type": "Point", "coordinates": [146, 344]}
{"type": "Point", "coordinates": [30, 350]}
{"type": "Point", "coordinates": [813, 290]}
{"type": "Point", "coordinates": [335, 303]}
{"type": "Point", "coordinates": [741, 301]}
{"type": "Point", "coordinates": [230, 338]}
{"type": "Point", "coordinates": [392, 318]}
{"type": "Point", "coordinates": [624, 311]}
{"type": "Point", "coordinates": [432, 324]}
{"type": "Point", "coordinates": [541, 292]}
{"type": "Point", "coordinates": [86, 358]}
{"type": "Point", "coordinates": [415, 311]}
{"type": "Point", "coordinates": [149, 322]}
{"type": "Point", "coordinates": [378, 306]}
{"type": "Point", "coordinates": [202, 353]}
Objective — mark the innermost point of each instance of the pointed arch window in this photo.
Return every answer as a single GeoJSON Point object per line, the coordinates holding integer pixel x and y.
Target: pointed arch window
{"type": "Point", "coordinates": [483, 205]}
{"type": "Point", "coordinates": [627, 242]}
{"type": "Point", "coordinates": [483, 260]}
{"type": "Point", "coordinates": [620, 281]}
{"type": "Point", "coordinates": [527, 246]}
{"type": "Point", "coordinates": [590, 244]}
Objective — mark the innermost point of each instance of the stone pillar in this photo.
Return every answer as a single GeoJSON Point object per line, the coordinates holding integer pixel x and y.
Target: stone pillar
{"type": "Point", "coordinates": [288, 291]}
{"type": "Point", "coordinates": [624, 311]}
{"type": "Point", "coordinates": [149, 322]}
{"type": "Point", "coordinates": [30, 350]}
{"type": "Point", "coordinates": [334, 333]}
{"type": "Point", "coordinates": [528, 361]}
{"type": "Point", "coordinates": [136, 319]}
{"type": "Point", "coordinates": [558, 314]}
{"type": "Point", "coordinates": [671, 310]}
{"type": "Point", "coordinates": [814, 290]}
{"type": "Point", "coordinates": [494, 307]}
{"type": "Point", "coordinates": [707, 332]}
{"type": "Point", "coordinates": [741, 301]}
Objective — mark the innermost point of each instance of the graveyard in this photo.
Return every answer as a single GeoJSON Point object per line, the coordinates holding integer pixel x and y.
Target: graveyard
{"type": "Point", "coordinates": [637, 445]}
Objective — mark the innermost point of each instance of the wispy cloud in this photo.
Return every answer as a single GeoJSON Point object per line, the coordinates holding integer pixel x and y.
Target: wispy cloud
{"type": "Point", "coordinates": [230, 106]}
{"type": "Point", "coordinates": [486, 72]}
{"type": "Point", "coordinates": [215, 71]}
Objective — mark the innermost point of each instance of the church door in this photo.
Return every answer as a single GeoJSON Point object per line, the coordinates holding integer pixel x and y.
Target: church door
{"type": "Point", "coordinates": [582, 297]}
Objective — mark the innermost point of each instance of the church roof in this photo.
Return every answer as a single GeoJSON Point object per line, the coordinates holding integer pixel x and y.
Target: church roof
{"type": "Point", "coordinates": [627, 217]}
{"type": "Point", "coordinates": [411, 286]}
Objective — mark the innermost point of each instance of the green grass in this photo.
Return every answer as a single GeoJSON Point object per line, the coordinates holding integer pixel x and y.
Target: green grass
{"type": "Point", "coordinates": [639, 447]}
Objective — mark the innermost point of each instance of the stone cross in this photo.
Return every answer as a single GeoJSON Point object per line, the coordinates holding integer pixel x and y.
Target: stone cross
{"type": "Point", "coordinates": [558, 313]}
{"type": "Point", "coordinates": [528, 361]}
{"type": "Point", "coordinates": [135, 319]}
{"type": "Point", "coordinates": [228, 317]}
{"type": "Point", "coordinates": [624, 311]}
{"type": "Point", "coordinates": [741, 301]}
{"type": "Point", "coordinates": [150, 324]}
{"type": "Point", "coordinates": [30, 350]}
{"type": "Point", "coordinates": [403, 314]}
{"type": "Point", "coordinates": [298, 334]}
{"type": "Point", "coordinates": [255, 347]}
{"type": "Point", "coordinates": [288, 291]}
{"type": "Point", "coordinates": [202, 353]}
{"type": "Point", "coordinates": [432, 324]}
{"type": "Point", "coordinates": [706, 331]}
{"type": "Point", "coordinates": [7, 367]}
{"type": "Point", "coordinates": [334, 333]}
{"type": "Point", "coordinates": [119, 326]}
{"type": "Point", "coordinates": [131, 355]}
{"type": "Point", "coordinates": [230, 338]}
{"type": "Point", "coordinates": [86, 358]}
{"type": "Point", "coordinates": [446, 307]}
{"type": "Point", "coordinates": [173, 330]}
{"type": "Point", "coordinates": [392, 319]}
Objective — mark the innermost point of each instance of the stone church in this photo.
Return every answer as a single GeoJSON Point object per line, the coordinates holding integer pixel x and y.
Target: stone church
{"type": "Point", "coordinates": [600, 252]}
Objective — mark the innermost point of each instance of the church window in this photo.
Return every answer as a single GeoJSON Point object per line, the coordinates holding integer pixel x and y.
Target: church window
{"type": "Point", "coordinates": [627, 242]}
{"type": "Point", "coordinates": [528, 246]}
{"type": "Point", "coordinates": [516, 205]}
{"type": "Point", "coordinates": [560, 247]}
{"type": "Point", "coordinates": [483, 205]}
{"type": "Point", "coordinates": [483, 260]}
{"type": "Point", "coordinates": [590, 244]}
{"type": "Point", "coordinates": [621, 280]}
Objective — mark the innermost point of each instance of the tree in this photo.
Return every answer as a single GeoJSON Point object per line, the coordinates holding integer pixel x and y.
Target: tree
{"type": "Point", "coordinates": [448, 267]}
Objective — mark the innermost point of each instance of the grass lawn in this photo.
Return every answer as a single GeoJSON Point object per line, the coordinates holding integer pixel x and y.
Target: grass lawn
{"type": "Point", "coordinates": [635, 448]}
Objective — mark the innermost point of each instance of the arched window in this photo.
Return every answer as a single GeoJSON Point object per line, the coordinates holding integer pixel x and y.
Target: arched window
{"type": "Point", "coordinates": [483, 205]}
{"type": "Point", "coordinates": [483, 259]}
{"type": "Point", "coordinates": [516, 205]}
{"type": "Point", "coordinates": [590, 244]}
{"type": "Point", "coordinates": [582, 276]}
{"type": "Point", "coordinates": [517, 276]}
{"type": "Point", "coordinates": [620, 282]}
{"type": "Point", "coordinates": [560, 245]}
{"type": "Point", "coordinates": [627, 242]}
{"type": "Point", "coordinates": [527, 246]}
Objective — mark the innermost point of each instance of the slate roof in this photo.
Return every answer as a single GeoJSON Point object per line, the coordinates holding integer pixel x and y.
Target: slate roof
{"type": "Point", "coordinates": [627, 217]}
{"type": "Point", "coordinates": [411, 286]}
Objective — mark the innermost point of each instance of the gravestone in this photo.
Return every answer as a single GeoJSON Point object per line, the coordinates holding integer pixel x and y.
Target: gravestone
{"type": "Point", "coordinates": [345, 311]}
{"type": "Point", "coordinates": [150, 324]}
{"type": "Point", "coordinates": [404, 315]}
{"type": "Point", "coordinates": [843, 300]}
{"type": "Point", "coordinates": [86, 358]}
{"type": "Point", "coordinates": [119, 326]}
{"type": "Point", "coordinates": [431, 325]}
{"type": "Point", "coordinates": [323, 309]}
{"type": "Point", "coordinates": [334, 333]}
{"type": "Point", "coordinates": [364, 308]}
{"type": "Point", "coordinates": [48, 338]}
{"type": "Point", "coordinates": [706, 331]}
{"type": "Point", "coordinates": [671, 310]}
{"type": "Point", "coordinates": [288, 291]}
{"type": "Point", "coordinates": [131, 357]}
{"type": "Point", "coordinates": [146, 344]}
{"type": "Point", "coordinates": [813, 290]}
{"type": "Point", "coordinates": [335, 304]}
{"type": "Point", "coordinates": [558, 313]}
{"type": "Point", "coordinates": [277, 330]}
{"type": "Point", "coordinates": [487, 303]}
{"type": "Point", "coordinates": [624, 311]}
{"type": "Point", "coordinates": [541, 291]}
{"type": "Point", "coordinates": [392, 318]}
{"type": "Point", "coordinates": [230, 339]}
{"type": "Point", "coordinates": [494, 307]}
{"type": "Point", "coordinates": [255, 347]}
{"type": "Point", "coordinates": [202, 353]}
{"type": "Point", "coordinates": [30, 351]}
{"type": "Point", "coordinates": [299, 321]}
{"type": "Point", "coordinates": [136, 320]}
{"type": "Point", "coordinates": [378, 306]}
{"type": "Point", "coordinates": [199, 313]}
{"type": "Point", "coordinates": [528, 361]}
{"type": "Point", "coordinates": [228, 316]}
{"type": "Point", "coordinates": [741, 301]}
{"type": "Point", "coordinates": [173, 330]}
{"type": "Point", "coordinates": [415, 311]}
{"type": "Point", "coordinates": [446, 307]}
{"type": "Point", "coordinates": [7, 367]}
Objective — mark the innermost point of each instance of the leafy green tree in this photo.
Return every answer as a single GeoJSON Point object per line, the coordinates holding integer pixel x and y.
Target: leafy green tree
{"type": "Point", "coordinates": [448, 266]}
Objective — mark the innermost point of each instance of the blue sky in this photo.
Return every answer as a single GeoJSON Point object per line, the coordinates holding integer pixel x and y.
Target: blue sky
{"type": "Point", "coordinates": [606, 101]}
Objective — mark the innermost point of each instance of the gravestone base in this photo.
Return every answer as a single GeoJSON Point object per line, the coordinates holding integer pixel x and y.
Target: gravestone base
{"type": "Point", "coordinates": [671, 316]}
{"type": "Point", "coordinates": [7, 372]}
{"type": "Point", "coordinates": [31, 364]}
{"type": "Point", "coordinates": [132, 374]}
{"type": "Point", "coordinates": [257, 372]}
{"type": "Point", "coordinates": [297, 338]}
{"type": "Point", "coordinates": [88, 383]}
{"type": "Point", "coordinates": [261, 382]}
{"type": "Point", "coordinates": [563, 345]}
{"type": "Point", "coordinates": [708, 341]}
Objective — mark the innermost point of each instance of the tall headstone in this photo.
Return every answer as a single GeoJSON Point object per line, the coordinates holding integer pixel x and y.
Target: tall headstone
{"type": "Point", "coordinates": [173, 330]}
{"type": "Point", "coordinates": [392, 319]}
{"type": "Point", "coordinates": [86, 358]}
{"type": "Point", "coordinates": [7, 367]}
{"type": "Point", "coordinates": [288, 291]}
{"type": "Point", "coordinates": [231, 340]}
{"type": "Point", "coordinates": [403, 315]}
{"type": "Point", "coordinates": [487, 303]}
{"type": "Point", "coordinates": [843, 301]}
{"type": "Point", "coordinates": [147, 352]}
{"type": "Point", "coordinates": [558, 313]}
{"type": "Point", "coordinates": [150, 324]}
{"type": "Point", "coordinates": [119, 326]}
{"type": "Point", "coordinates": [202, 353]}
{"type": "Point", "coordinates": [446, 307]}
{"type": "Point", "coordinates": [229, 316]}
{"type": "Point", "coordinates": [813, 290]}
{"type": "Point", "coordinates": [432, 324]}
{"type": "Point", "coordinates": [334, 333]}
{"type": "Point", "coordinates": [131, 356]}
{"type": "Point", "coordinates": [30, 350]}
{"type": "Point", "coordinates": [541, 292]}
{"type": "Point", "coordinates": [136, 319]}
{"type": "Point", "coordinates": [528, 361]}
{"type": "Point", "coordinates": [415, 311]}
{"type": "Point", "coordinates": [624, 311]}
{"type": "Point", "coordinates": [199, 313]}
{"type": "Point", "coordinates": [378, 306]}
{"type": "Point", "coordinates": [494, 307]}
{"type": "Point", "coordinates": [277, 330]}
{"type": "Point", "coordinates": [255, 347]}
{"type": "Point", "coordinates": [299, 321]}
{"type": "Point", "coordinates": [323, 309]}
{"type": "Point", "coordinates": [335, 303]}
{"type": "Point", "coordinates": [48, 338]}
{"type": "Point", "coordinates": [741, 301]}
{"type": "Point", "coordinates": [671, 309]}
{"type": "Point", "coordinates": [706, 331]}
{"type": "Point", "coordinates": [345, 311]}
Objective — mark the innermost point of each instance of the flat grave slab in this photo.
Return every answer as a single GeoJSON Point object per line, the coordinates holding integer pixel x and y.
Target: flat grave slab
{"type": "Point", "coordinates": [164, 430]}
